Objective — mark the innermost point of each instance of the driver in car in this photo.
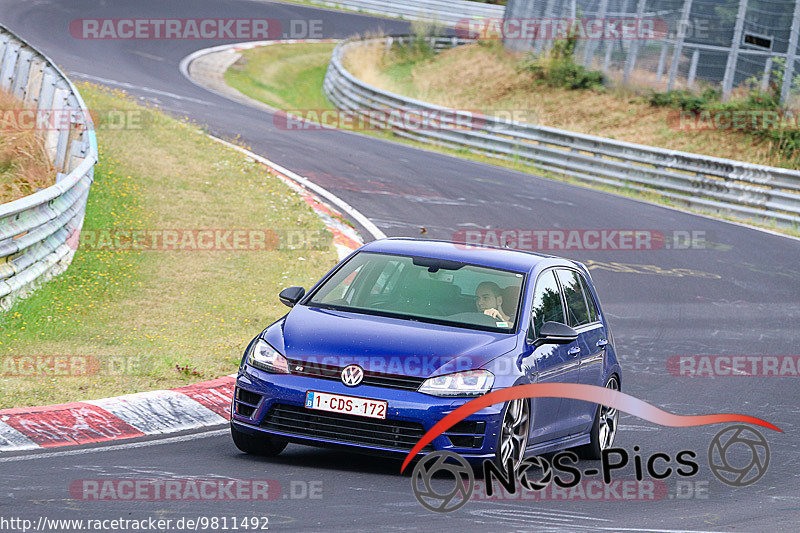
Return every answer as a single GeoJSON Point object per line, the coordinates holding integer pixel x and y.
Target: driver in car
{"type": "Point", "coordinates": [490, 300]}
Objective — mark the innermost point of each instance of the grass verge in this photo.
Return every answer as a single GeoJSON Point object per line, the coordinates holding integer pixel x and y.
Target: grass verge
{"type": "Point", "coordinates": [283, 76]}
{"type": "Point", "coordinates": [25, 166]}
{"type": "Point", "coordinates": [157, 319]}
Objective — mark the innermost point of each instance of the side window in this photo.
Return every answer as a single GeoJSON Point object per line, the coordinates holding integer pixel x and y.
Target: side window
{"type": "Point", "coordinates": [547, 304]}
{"type": "Point", "coordinates": [593, 314]}
{"type": "Point", "coordinates": [577, 312]}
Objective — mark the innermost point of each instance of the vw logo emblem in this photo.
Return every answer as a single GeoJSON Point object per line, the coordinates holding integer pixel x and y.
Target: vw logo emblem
{"type": "Point", "coordinates": [352, 375]}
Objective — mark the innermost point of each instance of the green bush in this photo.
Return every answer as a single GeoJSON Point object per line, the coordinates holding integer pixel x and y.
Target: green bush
{"type": "Point", "coordinates": [558, 68]}
{"type": "Point", "coordinates": [684, 99]}
{"type": "Point", "coordinates": [419, 47]}
{"type": "Point", "coordinates": [784, 141]}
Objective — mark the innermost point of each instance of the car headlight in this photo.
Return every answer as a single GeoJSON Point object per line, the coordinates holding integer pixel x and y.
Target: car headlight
{"type": "Point", "coordinates": [468, 383]}
{"type": "Point", "coordinates": [265, 357]}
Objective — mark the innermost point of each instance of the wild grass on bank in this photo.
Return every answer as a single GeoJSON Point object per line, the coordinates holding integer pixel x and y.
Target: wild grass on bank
{"type": "Point", "coordinates": [25, 166]}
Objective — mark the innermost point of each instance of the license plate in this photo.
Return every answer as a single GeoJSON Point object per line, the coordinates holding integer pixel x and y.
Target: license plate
{"type": "Point", "coordinates": [339, 403]}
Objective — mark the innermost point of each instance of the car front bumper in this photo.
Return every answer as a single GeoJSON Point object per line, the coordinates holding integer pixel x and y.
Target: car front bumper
{"type": "Point", "coordinates": [274, 404]}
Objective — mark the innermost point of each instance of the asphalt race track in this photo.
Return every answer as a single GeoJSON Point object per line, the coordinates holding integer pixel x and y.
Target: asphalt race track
{"type": "Point", "coordinates": [742, 297]}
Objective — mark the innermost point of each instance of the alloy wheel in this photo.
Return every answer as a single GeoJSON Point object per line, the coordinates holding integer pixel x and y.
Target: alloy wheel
{"type": "Point", "coordinates": [514, 432]}
{"type": "Point", "coordinates": [608, 419]}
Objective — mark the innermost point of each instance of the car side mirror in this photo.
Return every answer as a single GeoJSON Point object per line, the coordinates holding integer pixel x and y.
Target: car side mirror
{"type": "Point", "coordinates": [291, 295]}
{"type": "Point", "coordinates": [555, 333]}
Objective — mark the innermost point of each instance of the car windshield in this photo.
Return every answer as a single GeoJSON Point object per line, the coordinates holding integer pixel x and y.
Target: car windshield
{"type": "Point", "coordinates": [424, 289]}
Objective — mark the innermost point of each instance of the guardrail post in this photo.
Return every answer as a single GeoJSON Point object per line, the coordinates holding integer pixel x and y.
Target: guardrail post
{"type": "Point", "coordinates": [678, 51]}
{"type": "Point", "coordinates": [34, 86]}
{"type": "Point", "coordinates": [539, 45]}
{"type": "Point", "coordinates": [733, 54]}
{"type": "Point", "coordinates": [693, 68]}
{"type": "Point", "coordinates": [766, 75]}
{"type": "Point", "coordinates": [9, 64]}
{"type": "Point", "coordinates": [528, 14]}
{"type": "Point", "coordinates": [791, 50]}
{"type": "Point", "coordinates": [22, 71]}
{"type": "Point", "coordinates": [609, 43]}
{"type": "Point", "coordinates": [633, 49]}
{"type": "Point", "coordinates": [661, 60]}
{"type": "Point", "coordinates": [591, 44]}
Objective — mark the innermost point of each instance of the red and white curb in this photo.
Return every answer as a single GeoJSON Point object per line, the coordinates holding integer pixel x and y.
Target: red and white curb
{"type": "Point", "coordinates": [132, 415]}
{"type": "Point", "coordinates": [159, 412]}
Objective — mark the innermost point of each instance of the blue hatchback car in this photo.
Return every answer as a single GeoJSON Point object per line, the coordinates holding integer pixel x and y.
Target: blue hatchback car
{"type": "Point", "coordinates": [404, 331]}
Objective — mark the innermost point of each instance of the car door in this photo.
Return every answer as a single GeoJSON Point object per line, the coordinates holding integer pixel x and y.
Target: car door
{"type": "Point", "coordinates": [582, 315]}
{"type": "Point", "coordinates": [548, 363]}
{"type": "Point", "coordinates": [592, 364]}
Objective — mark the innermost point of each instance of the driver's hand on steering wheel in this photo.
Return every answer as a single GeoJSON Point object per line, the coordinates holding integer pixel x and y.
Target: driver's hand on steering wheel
{"type": "Point", "coordinates": [494, 313]}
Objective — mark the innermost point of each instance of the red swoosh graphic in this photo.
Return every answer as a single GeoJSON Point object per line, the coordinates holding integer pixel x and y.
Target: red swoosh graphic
{"type": "Point", "coordinates": [574, 391]}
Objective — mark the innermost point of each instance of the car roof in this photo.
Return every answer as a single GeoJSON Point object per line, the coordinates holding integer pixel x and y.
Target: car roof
{"type": "Point", "coordinates": [503, 258]}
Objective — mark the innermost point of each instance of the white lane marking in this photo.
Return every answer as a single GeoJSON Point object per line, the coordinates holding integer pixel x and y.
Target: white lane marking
{"type": "Point", "coordinates": [632, 427]}
{"type": "Point", "coordinates": [305, 182]}
{"type": "Point", "coordinates": [146, 55]}
{"type": "Point", "coordinates": [657, 530]}
{"type": "Point", "coordinates": [159, 411]}
{"type": "Point", "coordinates": [555, 521]}
{"type": "Point", "coordinates": [555, 515]}
{"type": "Point", "coordinates": [137, 87]}
{"type": "Point", "coordinates": [11, 439]}
{"type": "Point", "coordinates": [114, 447]}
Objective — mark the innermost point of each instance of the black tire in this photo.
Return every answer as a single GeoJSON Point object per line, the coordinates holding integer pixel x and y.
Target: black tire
{"type": "Point", "coordinates": [598, 442]}
{"type": "Point", "coordinates": [262, 445]}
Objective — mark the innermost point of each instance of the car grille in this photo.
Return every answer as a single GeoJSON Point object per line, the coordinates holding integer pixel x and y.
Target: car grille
{"type": "Point", "coordinates": [383, 433]}
{"type": "Point", "coordinates": [467, 434]}
{"type": "Point", "coordinates": [375, 379]}
{"type": "Point", "coordinates": [246, 402]}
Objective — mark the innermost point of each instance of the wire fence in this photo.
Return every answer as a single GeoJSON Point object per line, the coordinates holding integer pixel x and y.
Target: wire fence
{"type": "Point", "coordinates": [672, 44]}
{"type": "Point", "coordinates": [39, 233]}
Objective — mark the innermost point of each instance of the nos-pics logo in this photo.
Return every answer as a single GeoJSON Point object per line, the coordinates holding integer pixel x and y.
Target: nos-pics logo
{"type": "Point", "coordinates": [738, 456]}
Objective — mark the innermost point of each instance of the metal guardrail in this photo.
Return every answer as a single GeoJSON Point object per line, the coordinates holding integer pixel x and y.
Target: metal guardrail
{"type": "Point", "coordinates": [38, 233]}
{"type": "Point", "coordinates": [447, 12]}
{"type": "Point", "coordinates": [702, 182]}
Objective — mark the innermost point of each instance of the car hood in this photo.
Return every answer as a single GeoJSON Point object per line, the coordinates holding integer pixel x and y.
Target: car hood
{"type": "Point", "coordinates": [382, 344]}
